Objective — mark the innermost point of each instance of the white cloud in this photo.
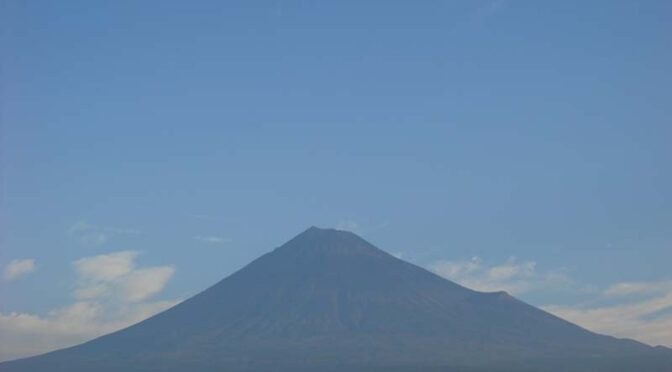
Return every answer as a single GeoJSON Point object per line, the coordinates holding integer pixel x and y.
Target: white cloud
{"type": "Point", "coordinates": [647, 319]}
{"type": "Point", "coordinates": [512, 276]}
{"type": "Point", "coordinates": [144, 283]}
{"type": "Point", "coordinates": [29, 334]}
{"type": "Point", "coordinates": [106, 267]}
{"type": "Point", "coordinates": [211, 239]}
{"type": "Point", "coordinates": [111, 293]}
{"type": "Point", "coordinates": [94, 236]}
{"type": "Point", "coordinates": [114, 275]}
{"type": "Point", "coordinates": [19, 268]}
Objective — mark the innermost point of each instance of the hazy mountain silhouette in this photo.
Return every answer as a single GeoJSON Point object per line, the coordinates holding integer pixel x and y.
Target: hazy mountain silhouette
{"type": "Point", "coordinates": [329, 301]}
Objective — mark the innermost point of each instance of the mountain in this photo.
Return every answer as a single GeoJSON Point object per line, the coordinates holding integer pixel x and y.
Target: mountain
{"type": "Point", "coordinates": [327, 300]}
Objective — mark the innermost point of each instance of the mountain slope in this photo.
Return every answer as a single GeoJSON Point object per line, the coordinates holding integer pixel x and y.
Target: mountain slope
{"type": "Point", "coordinates": [327, 300]}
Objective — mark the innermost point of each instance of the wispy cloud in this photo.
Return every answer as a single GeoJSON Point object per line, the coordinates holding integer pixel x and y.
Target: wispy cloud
{"type": "Point", "coordinates": [638, 288]}
{"type": "Point", "coordinates": [490, 9]}
{"type": "Point", "coordinates": [512, 276]}
{"type": "Point", "coordinates": [94, 236]}
{"type": "Point", "coordinates": [638, 310]}
{"type": "Point", "coordinates": [111, 292]}
{"type": "Point", "coordinates": [348, 225]}
{"type": "Point", "coordinates": [18, 268]}
{"type": "Point", "coordinates": [357, 227]}
{"type": "Point", "coordinates": [209, 239]}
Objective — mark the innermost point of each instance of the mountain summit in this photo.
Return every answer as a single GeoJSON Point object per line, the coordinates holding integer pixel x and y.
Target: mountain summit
{"type": "Point", "coordinates": [328, 300]}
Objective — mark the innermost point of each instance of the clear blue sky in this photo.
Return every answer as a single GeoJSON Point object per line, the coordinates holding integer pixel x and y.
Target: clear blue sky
{"type": "Point", "coordinates": [206, 133]}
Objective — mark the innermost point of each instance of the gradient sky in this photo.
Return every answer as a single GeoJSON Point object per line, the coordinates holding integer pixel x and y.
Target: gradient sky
{"type": "Point", "coordinates": [149, 149]}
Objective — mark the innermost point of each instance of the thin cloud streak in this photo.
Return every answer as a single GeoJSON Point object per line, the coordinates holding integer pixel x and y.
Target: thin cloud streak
{"type": "Point", "coordinates": [209, 239]}
{"type": "Point", "coordinates": [94, 236]}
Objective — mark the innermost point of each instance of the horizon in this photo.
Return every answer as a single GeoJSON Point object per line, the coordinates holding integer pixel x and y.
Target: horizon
{"type": "Point", "coordinates": [149, 150]}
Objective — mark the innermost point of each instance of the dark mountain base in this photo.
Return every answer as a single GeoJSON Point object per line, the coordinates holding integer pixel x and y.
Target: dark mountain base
{"type": "Point", "coordinates": [329, 301]}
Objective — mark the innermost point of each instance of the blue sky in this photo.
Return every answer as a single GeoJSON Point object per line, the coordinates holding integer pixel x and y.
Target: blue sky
{"type": "Point", "coordinates": [148, 149]}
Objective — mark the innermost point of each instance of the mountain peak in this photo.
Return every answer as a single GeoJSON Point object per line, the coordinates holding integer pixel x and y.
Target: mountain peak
{"type": "Point", "coordinates": [323, 230]}
{"type": "Point", "coordinates": [329, 241]}
{"type": "Point", "coordinates": [326, 231]}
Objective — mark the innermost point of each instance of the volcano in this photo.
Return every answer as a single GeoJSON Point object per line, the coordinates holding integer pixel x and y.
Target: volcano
{"type": "Point", "coordinates": [328, 300]}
